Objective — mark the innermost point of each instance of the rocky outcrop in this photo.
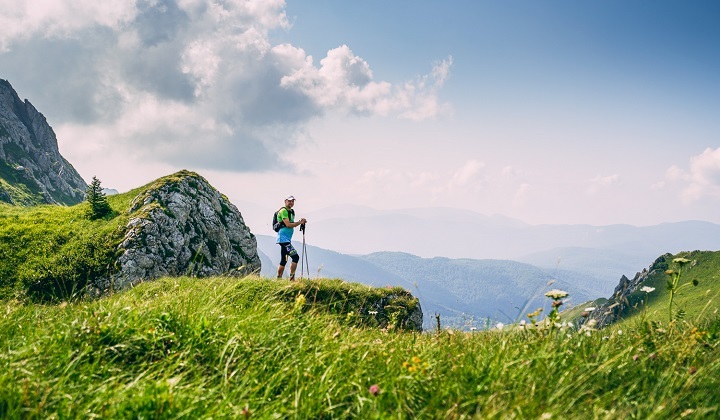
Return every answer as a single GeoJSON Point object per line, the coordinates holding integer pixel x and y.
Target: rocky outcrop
{"type": "Point", "coordinates": [615, 307]}
{"type": "Point", "coordinates": [415, 318]}
{"type": "Point", "coordinates": [32, 171]}
{"type": "Point", "coordinates": [181, 225]}
{"type": "Point", "coordinates": [410, 316]}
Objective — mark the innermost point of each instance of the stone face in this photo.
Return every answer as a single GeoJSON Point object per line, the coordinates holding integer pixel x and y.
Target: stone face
{"type": "Point", "coordinates": [31, 166]}
{"type": "Point", "coordinates": [414, 319]}
{"type": "Point", "coordinates": [181, 225]}
{"type": "Point", "coordinates": [612, 310]}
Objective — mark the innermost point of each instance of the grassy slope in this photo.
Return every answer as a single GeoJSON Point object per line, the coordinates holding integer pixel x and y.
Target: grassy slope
{"type": "Point", "coordinates": [217, 347]}
{"type": "Point", "coordinates": [12, 181]}
{"type": "Point", "coordinates": [211, 348]}
{"type": "Point", "coordinates": [54, 244]}
{"type": "Point", "coordinates": [58, 246]}
{"type": "Point", "coordinates": [695, 302]}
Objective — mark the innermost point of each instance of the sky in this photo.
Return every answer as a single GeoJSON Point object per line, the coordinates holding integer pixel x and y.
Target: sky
{"type": "Point", "coordinates": [555, 112]}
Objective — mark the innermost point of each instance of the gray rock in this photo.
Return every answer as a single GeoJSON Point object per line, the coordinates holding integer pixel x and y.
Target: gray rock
{"type": "Point", "coordinates": [411, 321]}
{"type": "Point", "coordinates": [181, 225]}
{"type": "Point", "coordinates": [29, 146]}
{"type": "Point", "coordinates": [613, 309]}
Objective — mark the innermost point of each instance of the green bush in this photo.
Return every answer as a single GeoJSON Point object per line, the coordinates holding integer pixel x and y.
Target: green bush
{"type": "Point", "coordinates": [99, 206]}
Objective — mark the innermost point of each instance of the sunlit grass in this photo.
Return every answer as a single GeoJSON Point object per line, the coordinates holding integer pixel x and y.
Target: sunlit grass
{"type": "Point", "coordinates": [259, 348]}
{"type": "Point", "coordinates": [236, 348]}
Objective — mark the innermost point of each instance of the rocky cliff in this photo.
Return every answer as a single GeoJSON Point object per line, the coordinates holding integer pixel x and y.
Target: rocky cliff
{"type": "Point", "coordinates": [181, 225]}
{"type": "Point", "coordinates": [618, 304]}
{"type": "Point", "coordinates": [32, 171]}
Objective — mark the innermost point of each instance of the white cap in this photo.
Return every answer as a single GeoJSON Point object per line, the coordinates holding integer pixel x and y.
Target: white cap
{"type": "Point", "coordinates": [290, 197]}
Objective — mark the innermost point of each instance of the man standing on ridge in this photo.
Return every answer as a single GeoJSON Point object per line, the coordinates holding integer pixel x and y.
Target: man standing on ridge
{"type": "Point", "coordinates": [286, 216]}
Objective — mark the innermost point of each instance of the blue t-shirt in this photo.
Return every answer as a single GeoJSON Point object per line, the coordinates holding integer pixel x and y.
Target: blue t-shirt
{"type": "Point", "coordinates": [285, 233]}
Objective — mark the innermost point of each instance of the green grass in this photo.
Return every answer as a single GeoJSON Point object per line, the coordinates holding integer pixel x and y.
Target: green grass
{"type": "Point", "coordinates": [49, 252]}
{"type": "Point", "coordinates": [223, 348]}
{"type": "Point", "coordinates": [259, 348]}
{"type": "Point", "coordinates": [693, 303]}
{"type": "Point", "coordinates": [17, 188]}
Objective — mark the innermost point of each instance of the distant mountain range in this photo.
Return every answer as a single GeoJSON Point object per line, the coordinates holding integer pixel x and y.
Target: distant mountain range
{"type": "Point", "coordinates": [466, 293]}
{"type": "Point", "coordinates": [469, 267]}
{"type": "Point", "coordinates": [473, 269]}
{"type": "Point", "coordinates": [454, 233]}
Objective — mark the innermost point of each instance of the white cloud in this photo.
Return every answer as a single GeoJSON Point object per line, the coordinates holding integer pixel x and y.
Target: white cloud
{"type": "Point", "coordinates": [430, 186]}
{"type": "Point", "coordinates": [376, 176]}
{"type": "Point", "coordinates": [605, 181]}
{"type": "Point", "coordinates": [602, 183]}
{"type": "Point", "coordinates": [674, 173]}
{"type": "Point", "coordinates": [703, 177]}
{"type": "Point", "coordinates": [22, 19]}
{"type": "Point", "coordinates": [511, 172]}
{"type": "Point", "coordinates": [469, 173]}
{"type": "Point", "coordinates": [346, 80]}
{"type": "Point", "coordinates": [190, 82]}
{"type": "Point", "coordinates": [521, 194]}
{"type": "Point", "coordinates": [424, 180]}
{"type": "Point", "coordinates": [441, 71]}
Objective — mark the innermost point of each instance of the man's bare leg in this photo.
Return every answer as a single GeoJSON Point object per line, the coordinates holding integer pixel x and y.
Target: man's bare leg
{"type": "Point", "coordinates": [293, 267]}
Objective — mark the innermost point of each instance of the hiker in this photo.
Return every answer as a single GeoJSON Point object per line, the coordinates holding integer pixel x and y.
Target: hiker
{"type": "Point", "coordinates": [286, 218]}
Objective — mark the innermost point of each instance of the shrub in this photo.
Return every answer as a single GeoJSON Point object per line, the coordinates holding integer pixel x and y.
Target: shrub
{"type": "Point", "coordinates": [99, 206]}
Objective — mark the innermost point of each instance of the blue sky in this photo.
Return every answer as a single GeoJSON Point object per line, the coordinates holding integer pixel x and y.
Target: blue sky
{"type": "Point", "coordinates": [548, 112]}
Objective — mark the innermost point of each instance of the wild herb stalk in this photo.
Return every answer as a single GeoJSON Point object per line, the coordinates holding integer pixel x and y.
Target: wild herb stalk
{"type": "Point", "coordinates": [673, 283]}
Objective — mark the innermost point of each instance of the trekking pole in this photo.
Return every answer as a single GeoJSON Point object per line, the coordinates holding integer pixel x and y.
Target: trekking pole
{"type": "Point", "coordinates": [303, 255]}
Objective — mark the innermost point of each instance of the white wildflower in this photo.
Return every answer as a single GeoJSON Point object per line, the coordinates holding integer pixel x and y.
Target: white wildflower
{"type": "Point", "coordinates": [647, 289]}
{"type": "Point", "coordinates": [556, 294]}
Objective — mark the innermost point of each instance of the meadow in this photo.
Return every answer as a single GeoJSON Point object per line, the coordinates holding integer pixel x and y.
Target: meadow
{"type": "Point", "coordinates": [254, 347]}
{"type": "Point", "coordinates": [257, 348]}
